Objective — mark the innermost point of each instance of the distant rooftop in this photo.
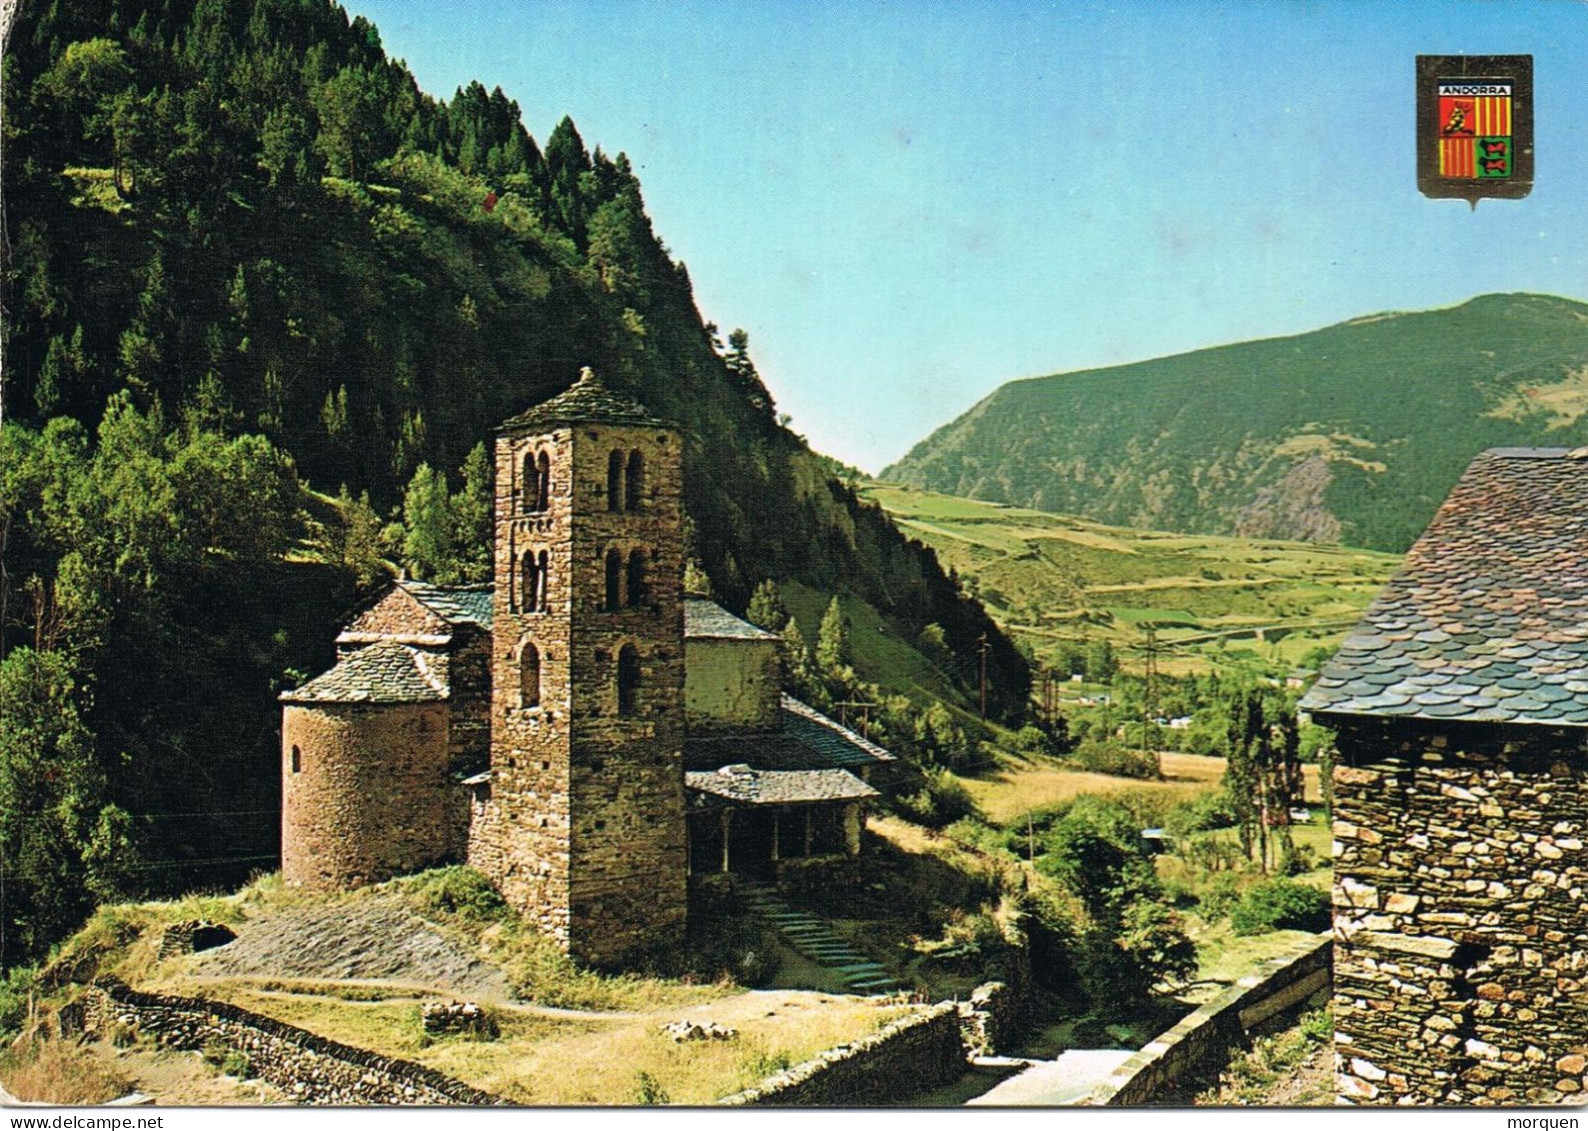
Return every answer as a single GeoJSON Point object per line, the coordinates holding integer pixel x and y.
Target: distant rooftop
{"type": "Point", "coordinates": [586, 400]}
{"type": "Point", "coordinates": [1487, 621]}
{"type": "Point", "coordinates": [385, 672]}
{"type": "Point", "coordinates": [740, 785]}
{"type": "Point", "coordinates": [805, 739]}
{"type": "Point", "coordinates": [707, 620]}
{"type": "Point", "coordinates": [455, 604]}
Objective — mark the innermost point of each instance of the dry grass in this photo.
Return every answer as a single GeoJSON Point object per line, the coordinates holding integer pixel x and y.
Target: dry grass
{"type": "Point", "coordinates": [59, 1072]}
{"type": "Point", "coordinates": [596, 1059]}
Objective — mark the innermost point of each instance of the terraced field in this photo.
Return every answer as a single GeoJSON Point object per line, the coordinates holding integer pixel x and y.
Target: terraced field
{"type": "Point", "coordinates": [1052, 579]}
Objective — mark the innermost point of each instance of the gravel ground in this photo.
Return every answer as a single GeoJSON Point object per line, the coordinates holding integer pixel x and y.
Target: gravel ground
{"type": "Point", "coordinates": [374, 939]}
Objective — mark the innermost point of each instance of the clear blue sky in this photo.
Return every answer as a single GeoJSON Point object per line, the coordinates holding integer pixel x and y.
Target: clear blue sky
{"type": "Point", "coordinates": [909, 203]}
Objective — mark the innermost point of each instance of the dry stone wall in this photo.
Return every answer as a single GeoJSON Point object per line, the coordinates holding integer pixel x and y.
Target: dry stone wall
{"type": "Point", "coordinates": [891, 1066]}
{"type": "Point", "coordinates": [1461, 916]}
{"type": "Point", "coordinates": [1201, 1042]}
{"type": "Point", "coordinates": [310, 1068]}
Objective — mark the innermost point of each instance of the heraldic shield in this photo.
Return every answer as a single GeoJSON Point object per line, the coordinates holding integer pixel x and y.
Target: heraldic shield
{"type": "Point", "coordinates": [1474, 126]}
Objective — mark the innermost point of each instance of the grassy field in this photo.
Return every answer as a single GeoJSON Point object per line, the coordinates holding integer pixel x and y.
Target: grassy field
{"type": "Point", "coordinates": [1050, 578]}
{"type": "Point", "coordinates": [1009, 791]}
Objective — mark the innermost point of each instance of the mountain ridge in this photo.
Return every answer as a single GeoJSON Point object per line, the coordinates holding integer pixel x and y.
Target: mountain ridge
{"type": "Point", "coordinates": [1303, 435]}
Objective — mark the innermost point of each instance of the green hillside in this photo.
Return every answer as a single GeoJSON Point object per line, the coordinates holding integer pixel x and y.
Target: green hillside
{"type": "Point", "coordinates": [1056, 583]}
{"type": "Point", "coordinates": [1349, 434]}
{"type": "Point", "coordinates": [249, 264]}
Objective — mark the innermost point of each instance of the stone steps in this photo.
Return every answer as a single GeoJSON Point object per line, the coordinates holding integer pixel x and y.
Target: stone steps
{"type": "Point", "coordinates": [816, 940]}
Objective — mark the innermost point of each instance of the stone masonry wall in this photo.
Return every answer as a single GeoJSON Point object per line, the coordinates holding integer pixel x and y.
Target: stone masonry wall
{"type": "Point", "coordinates": [312, 1069]}
{"type": "Point", "coordinates": [891, 1066]}
{"type": "Point", "coordinates": [371, 798]}
{"type": "Point", "coordinates": [1461, 915]}
{"type": "Point", "coordinates": [1200, 1042]}
{"type": "Point", "coordinates": [732, 685]}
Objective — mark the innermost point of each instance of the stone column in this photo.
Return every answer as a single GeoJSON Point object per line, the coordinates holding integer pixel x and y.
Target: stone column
{"type": "Point", "coordinates": [852, 828]}
{"type": "Point", "coordinates": [775, 814]}
{"type": "Point", "coordinates": [727, 828]}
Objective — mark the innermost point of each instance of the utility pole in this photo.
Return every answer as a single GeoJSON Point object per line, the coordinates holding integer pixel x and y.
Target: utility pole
{"type": "Point", "coordinates": [865, 710]}
{"type": "Point", "coordinates": [981, 649]}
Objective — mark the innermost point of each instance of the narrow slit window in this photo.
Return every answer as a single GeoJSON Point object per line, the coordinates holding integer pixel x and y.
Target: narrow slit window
{"type": "Point", "coordinates": [529, 677]}
{"type": "Point", "coordinates": [628, 680]}
{"type": "Point", "coordinates": [297, 760]}
{"type": "Point", "coordinates": [615, 481]}
{"type": "Point", "coordinates": [636, 579]}
{"type": "Point", "coordinates": [542, 582]}
{"type": "Point", "coordinates": [634, 483]}
{"type": "Point", "coordinates": [543, 482]}
{"type": "Point", "coordinates": [614, 594]}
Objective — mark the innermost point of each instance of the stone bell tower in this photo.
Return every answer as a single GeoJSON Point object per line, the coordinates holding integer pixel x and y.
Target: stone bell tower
{"type": "Point", "coordinates": [582, 824]}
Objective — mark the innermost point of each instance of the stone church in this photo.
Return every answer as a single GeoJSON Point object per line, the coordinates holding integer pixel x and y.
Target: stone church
{"type": "Point", "coordinates": [1461, 801]}
{"type": "Point", "coordinates": [580, 730]}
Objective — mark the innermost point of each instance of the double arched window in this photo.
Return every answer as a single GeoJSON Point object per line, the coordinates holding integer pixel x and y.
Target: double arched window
{"type": "Point", "coordinates": [537, 482]}
{"type": "Point", "coordinates": [628, 680]}
{"type": "Point", "coordinates": [625, 480]}
{"type": "Point", "coordinates": [535, 579]}
{"type": "Point", "coordinates": [625, 580]}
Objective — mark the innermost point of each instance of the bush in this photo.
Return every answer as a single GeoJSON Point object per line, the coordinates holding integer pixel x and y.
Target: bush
{"type": "Point", "coordinates": [1219, 897]}
{"type": "Point", "coordinates": [940, 801]}
{"type": "Point", "coordinates": [1112, 758]}
{"type": "Point", "coordinates": [15, 986]}
{"type": "Point", "coordinates": [1210, 811]}
{"type": "Point", "coordinates": [1281, 904]}
{"type": "Point", "coordinates": [460, 891]}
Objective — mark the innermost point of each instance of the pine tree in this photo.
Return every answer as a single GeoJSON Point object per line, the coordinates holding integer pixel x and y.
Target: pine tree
{"type": "Point", "coordinates": [428, 548]}
{"type": "Point", "coordinates": [833, 651]}
{"type": "Point", "coordinates": [766, 607]}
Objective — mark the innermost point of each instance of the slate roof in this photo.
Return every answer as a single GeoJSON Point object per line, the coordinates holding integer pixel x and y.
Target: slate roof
{"type": "Point", "coordinates": [1487, 621]}
{"type": "Point", "coordinates": [805, 740]}
{"type": "Point", "coordinates": [455, 604]}
{"type": "Point", "coordinates": [740, 785]}
{"type": "Point", "coordinates": [385, 672]}
{"type": "Point", "coordinates": [586, 400]}
{"type": "Point", "coordinates": [707, 620]}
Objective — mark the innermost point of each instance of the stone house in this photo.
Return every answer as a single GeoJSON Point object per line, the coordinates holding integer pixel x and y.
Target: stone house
{"type": "Point", "coordinates": [1461, 801]}
{"type": "Point", "coordinates": [579, 730]}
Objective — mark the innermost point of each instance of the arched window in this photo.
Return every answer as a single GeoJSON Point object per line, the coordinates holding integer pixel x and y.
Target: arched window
{"type": "Point", "coordinates": [529, 676]}
{"type": "Point", "coordinates": [635, 482]}
{"type": "Point", "coordinates": [529, 484]}
{"type": "Point", "coordinates": [542, 582]}
{"type": "Point", "coordinates": [543, 482]}
{"type": "Point", "coordinates": [628, 680]}
{"type": "Point", "coordinates": [297, 760]}
{"type": "Point", "coordinates": [614, 594]}
{"type": "Point", "coordinates": [636, 579]}
{"type": "Point", "coordinates": [615, 481]}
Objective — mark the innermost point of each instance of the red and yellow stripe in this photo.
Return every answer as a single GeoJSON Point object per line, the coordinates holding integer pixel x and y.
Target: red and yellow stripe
{"type": "Point", "coordinates": [1458, 157]}
{"type": "Point", "coordinates": [1491, 117]}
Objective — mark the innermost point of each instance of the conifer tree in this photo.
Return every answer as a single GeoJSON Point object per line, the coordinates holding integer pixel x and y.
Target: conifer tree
{"type": "Point", "coordinates": [833, 651]}
{"type": "Point", "coordinates": [766, 607]}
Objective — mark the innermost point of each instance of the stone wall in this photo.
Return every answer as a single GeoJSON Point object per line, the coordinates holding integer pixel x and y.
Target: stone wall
{"type": "Point", "coordinates": [898, 1062]}
{"type": "Point", "coordinates": [732, 685]}
{"type": "Point", "coordinates": [1461, 915]}
{"type": "Point", "coordinates": [310, 1068]}
{"type": "Point", "coordinates": [1201, 1042]}
{"type": "Point", "coordinates": [371, 797]}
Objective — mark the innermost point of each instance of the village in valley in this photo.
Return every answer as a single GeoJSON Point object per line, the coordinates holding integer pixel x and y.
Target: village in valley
{"type": "Point", "coordinates": [434, 671]}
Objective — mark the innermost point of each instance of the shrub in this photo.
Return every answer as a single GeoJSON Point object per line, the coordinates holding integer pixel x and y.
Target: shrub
{"type": "Point", "coordinates": [1280, 904]}
{"type": "Point", "coordinates": [460, 891]}
{"type": "Point", "coordinates": [1112, 758]}
{"type": "Point", "coordinates": [940, 801]}
{"type": "Point", "coordinates": [648, 1090]}
{"type": "Point", "coordinates": [236, 1064]}
{"type": "Point", "coordinates": [1209, 811]}
{"type": "Point", "coordinates": [1219, 897]}
{"type": "Point", "coordinates": [15, 986]}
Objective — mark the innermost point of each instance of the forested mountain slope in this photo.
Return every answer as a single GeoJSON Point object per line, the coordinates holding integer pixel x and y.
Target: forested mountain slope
{"type": "Point", "coordinates": [245, 253]}
{"type": "Point", "coordinates": [1352, 433]}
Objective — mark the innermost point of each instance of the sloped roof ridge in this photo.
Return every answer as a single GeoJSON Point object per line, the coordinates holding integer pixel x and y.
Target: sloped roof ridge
{"type": "Point", "coordinates": [588, 399]}
{"type": "Point", "coordinates": [384, 672]}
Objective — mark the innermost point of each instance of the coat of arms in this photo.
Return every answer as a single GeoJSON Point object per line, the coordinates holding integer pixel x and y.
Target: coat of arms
{"type": "Point", "coordinates": [1474, 129]}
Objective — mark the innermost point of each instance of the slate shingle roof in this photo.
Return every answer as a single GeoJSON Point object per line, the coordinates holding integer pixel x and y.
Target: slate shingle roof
{"type": "Point", "coordinates": [587, 399]}
{"type": "Point", "coordinates": [805, 740]}
{"type": "Point", "coordinates": [705, 619]}
{"type": "Point", "coordinates": [740, 785]}
{"type": "Point", "coordinates": [1487, 621]}
{"type": "Point", "coordinates": [455, 604]}
{"type": "Point", "coordinates": [385, 672]}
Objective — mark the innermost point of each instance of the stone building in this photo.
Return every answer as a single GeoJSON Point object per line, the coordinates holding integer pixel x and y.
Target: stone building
{"type": "Point", "coordinates": [579, 730]}
{"type": "Point", "coordinates": [1461, 801]}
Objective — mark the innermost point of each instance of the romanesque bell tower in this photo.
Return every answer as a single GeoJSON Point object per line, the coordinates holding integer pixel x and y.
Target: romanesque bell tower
{"type": "Point", "coordinates": [583, 828]}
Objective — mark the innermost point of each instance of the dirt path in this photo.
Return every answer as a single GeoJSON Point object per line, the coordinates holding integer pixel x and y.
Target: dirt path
{"type": "Point", "coordinates": [182, 1079]}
